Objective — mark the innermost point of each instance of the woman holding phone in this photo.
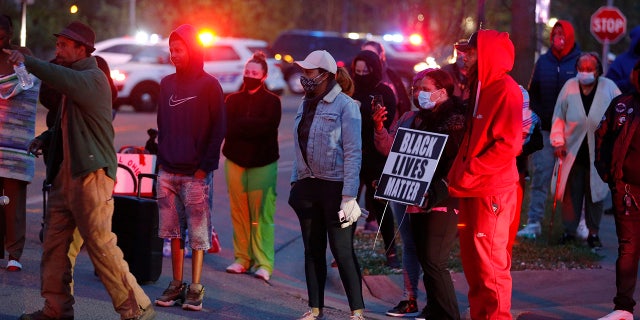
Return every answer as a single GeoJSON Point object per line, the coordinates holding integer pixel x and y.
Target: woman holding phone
{"type": "Point", "coordinates": [434, 225]}
{"type": "Point", "coordinates": [367, 76]}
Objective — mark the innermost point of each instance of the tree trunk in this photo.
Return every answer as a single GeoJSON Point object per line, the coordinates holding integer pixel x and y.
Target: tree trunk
{"type": "Point", "coordinates": [523, 35]}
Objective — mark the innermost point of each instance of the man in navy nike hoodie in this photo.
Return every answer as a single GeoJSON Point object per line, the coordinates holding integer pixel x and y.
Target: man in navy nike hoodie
{"type": "Point", "coordinates": [191, 127]}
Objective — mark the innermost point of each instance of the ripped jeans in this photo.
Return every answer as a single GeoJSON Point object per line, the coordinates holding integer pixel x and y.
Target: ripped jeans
{"type": "Point", "coordinates": [183, 202]}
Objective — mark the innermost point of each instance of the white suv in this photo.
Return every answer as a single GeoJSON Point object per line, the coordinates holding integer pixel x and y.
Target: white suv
{"type": "Point", "coordinates": [138, 81]}
{"type": "Point", "coordinates": [120, 50]}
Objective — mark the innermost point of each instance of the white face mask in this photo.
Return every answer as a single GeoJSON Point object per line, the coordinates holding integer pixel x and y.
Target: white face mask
{"type": "Point", "coordinates": [424, 99]}
{"type": "Point", "coordinates": [586, 77]}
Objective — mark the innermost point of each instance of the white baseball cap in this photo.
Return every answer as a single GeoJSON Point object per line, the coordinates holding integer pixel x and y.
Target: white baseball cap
{"type": "Point", "coordinates": [319, 59]}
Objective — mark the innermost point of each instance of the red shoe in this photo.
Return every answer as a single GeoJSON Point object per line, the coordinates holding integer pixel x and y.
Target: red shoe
{"type": "Point", "coordinates": [215, 243]}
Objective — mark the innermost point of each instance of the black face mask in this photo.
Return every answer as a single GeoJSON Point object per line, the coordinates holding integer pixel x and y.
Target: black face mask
{"type": "Point", "coordinates": [252, 83]}
{"type": "Point", "coordinates": [365, 81]}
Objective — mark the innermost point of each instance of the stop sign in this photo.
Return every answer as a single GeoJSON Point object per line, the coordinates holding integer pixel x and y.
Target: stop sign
{"type": "Point", "coordinates": [608, 23]}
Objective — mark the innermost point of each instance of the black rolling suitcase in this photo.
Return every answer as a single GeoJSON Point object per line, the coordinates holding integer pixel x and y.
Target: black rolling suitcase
{"type": "Point", "coordinates": [135, 222]}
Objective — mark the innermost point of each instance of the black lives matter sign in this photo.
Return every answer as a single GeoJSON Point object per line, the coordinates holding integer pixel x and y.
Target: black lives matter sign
{"type": "Point", "coordinates": [410, 166]}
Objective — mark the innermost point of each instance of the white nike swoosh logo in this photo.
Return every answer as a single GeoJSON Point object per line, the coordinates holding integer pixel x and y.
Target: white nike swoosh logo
{"type": "Point", "coordinates": [174, 102]}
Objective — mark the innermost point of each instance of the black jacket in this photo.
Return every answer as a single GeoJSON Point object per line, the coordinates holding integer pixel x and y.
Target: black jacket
{"type": "Point", "coordinates": [252, 128]}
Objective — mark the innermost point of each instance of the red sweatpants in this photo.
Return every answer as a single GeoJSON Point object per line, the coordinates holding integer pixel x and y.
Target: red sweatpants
{"type": "Point", "coordinates": [484, 236]}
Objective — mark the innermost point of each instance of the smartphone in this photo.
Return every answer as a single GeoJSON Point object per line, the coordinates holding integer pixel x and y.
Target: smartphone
{"type": "Point", "coordinates": [341, 216]}
{"type": "Point", "coordinates": [376, 103]}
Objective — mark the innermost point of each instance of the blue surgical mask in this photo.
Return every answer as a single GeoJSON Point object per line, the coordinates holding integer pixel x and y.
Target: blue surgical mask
{"type": "Point", "coordinates": [586, 77]}
{"type": "Point", "coordinates": [424, 100]}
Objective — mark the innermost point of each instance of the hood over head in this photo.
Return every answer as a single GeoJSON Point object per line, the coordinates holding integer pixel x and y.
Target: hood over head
{"type": "Point", "coordinates": [189, 35]}
{"type": "Point", "coordinates": [372, 60]}
{"type": "Point", "coordinates": [495, 55]}
{"type": "Point", "coordinates": [569, 37]}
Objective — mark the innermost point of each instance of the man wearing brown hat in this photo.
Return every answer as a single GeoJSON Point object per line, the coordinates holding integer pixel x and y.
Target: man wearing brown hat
{"type": "Point", "coordinates": [82, 180]}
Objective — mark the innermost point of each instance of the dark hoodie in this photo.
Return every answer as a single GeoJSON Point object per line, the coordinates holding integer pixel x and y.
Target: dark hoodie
{"type": "Point", "coordinates": [620, 69]}
{"type": "Point", "coordinates": [486, 163]}
{"type": "Point", "coordinates": [367, 86]}
{"type": "Point", "coordinates": [191, 114]}
{"type": "Point", "coordinates": [549, 75]}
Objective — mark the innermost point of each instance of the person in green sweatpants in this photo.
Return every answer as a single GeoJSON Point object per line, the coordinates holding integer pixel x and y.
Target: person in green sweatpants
{"type": "Point", "coordinates": [251, 169]}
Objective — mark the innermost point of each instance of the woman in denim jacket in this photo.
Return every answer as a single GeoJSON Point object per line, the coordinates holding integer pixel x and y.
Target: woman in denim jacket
{"type": "Point", "coordinates": [325, 181]}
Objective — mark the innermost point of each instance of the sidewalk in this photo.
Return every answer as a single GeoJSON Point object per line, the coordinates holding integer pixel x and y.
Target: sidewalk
{"type": "Point", "coordinates": [538, 295]}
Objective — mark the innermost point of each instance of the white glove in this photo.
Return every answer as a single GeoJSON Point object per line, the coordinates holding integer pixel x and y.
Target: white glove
{"type": "Point", "coordinates": [349, 211]}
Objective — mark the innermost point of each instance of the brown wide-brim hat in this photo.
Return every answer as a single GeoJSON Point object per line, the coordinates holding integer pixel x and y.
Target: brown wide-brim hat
{"type": "Point", "coordinates": [80, 32]}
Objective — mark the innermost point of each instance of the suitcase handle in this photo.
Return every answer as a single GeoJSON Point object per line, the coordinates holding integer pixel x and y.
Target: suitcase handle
{"type": "Point", "coordinates": [153, 176]}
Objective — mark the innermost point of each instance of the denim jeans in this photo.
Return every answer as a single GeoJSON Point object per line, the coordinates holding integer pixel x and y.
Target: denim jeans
{"type": "Point", "coordinates": [410, 263]}
{"type": "Point", "coordinates": [543, 161]}
{"type": "Point", "coordinates": [184, 205]}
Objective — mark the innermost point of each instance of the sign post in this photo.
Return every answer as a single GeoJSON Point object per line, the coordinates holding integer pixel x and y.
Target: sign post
{"type": "Point", "coordinates": [608, 25]}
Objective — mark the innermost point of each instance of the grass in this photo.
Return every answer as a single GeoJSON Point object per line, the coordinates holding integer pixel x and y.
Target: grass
{"type": "Point", "coordinates": [527, 255]}
{"type": "Point", "coordinates": [543, 253]}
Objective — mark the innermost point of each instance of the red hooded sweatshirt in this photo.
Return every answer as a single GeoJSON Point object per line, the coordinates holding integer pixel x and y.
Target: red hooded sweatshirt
{"type": "Point", "coordinates": [486, 163]}
{"type": "Point", "coordinates": [569, 38]}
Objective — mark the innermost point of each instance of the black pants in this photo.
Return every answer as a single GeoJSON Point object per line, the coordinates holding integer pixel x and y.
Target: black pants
{"type": "Point", "coordinates": [627, 228]}
{"type": "Point", "coordinates": [434, 234]}
{"type": "Point", "coordinates": [316, 203]}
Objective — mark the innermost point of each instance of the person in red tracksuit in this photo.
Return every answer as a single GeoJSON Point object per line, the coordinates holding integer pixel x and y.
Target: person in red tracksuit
{"type": "Point", "coordinates": [484, 175]}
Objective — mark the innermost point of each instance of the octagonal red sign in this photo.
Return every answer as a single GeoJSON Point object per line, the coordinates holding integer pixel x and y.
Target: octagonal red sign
{"type": "Point", "coordinates": [608, 23]}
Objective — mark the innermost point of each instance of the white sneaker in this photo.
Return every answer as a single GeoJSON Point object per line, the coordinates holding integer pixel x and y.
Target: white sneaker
{"type": "Point", "coordinates": [236, 268]}
{"type": "Point", "coordinates": [262, 274]}
{"type": "Point", "coordinates": [14, 265]}
{"type": "Point", "coordinates": [582, 231]}
{"type": "Point", "coordinates": [618, 315]}
{"type": "Point", "coordinates": [530, 231]}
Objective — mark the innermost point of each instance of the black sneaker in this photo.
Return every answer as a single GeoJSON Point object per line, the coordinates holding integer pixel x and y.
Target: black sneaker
{"type": "Point", "coordinates": [174, 294]}
{"type": "Point", "coordinates": [393, 263]}
{"type": "Point", "coordinates": [594, 241]}
{"type": "Point", "coordinates": [39, 315]}
{"type": "Point", "coordinates": [423, 315]}
{"type": "Point", "coordinates": [567, 239]}
{"type": "Point", "coordinates": [405, 308]}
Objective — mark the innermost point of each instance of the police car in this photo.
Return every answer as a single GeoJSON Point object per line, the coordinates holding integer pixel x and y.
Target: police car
{"type": "Point", "coordinates": [138, 80]}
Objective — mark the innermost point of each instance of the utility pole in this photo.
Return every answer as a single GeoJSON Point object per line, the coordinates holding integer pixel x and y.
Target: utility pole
{"type": "Point", "coordinates": [132, 17]}
{"type": "Point", "coordinates": [605, 48]}
{"type": "Point", "coordinates": [23, 27]}
{"type": "Point", "coordinates": [481, 15]}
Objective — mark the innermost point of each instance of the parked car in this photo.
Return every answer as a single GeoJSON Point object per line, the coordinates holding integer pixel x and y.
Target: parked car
{"type": "Point", "coordinates": [117, 51]}
{"type": "Point", "coordinates": [295, 45]}
{"type": "Point", "coordinates": [138, 80]}
{"type": "Point", "coordinates": [403, 57]}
